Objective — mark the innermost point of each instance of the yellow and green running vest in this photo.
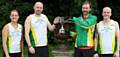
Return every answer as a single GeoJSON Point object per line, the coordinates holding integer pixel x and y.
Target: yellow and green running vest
{"type": "Point", "coordinates": [85, 36]}
{"type": "Point", "coordinates": [14, 39]}
{"type": "Point", "coordinates": [38, 30]}
{"type": "Point", "coordinates": [107, 42]}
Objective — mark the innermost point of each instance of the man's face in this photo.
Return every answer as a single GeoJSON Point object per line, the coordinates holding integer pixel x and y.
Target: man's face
{"type": "Point", "coordinates": [85, 9]}
{"type": "Point", "coordinates": [38, 8]}
{"type": "Point", "coordinates": [14, 16]}
{"type": "Point", "coordinates": [106, 13]}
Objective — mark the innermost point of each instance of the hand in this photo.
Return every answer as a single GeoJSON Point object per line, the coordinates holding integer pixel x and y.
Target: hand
{"type": "Point", "coordinates": [22, 55]}
{"type": "Point", "coordinates": [31, 50]}
{"type": "Point", "coordinates": [116, 54]}
{"type": "Point", "coordinates": [96, 55]}
{"type": "Point", "coordinates": [56, 20]}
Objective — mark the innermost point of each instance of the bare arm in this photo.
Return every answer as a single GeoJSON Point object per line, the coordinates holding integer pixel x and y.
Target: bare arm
{"type": "Point", "coordinates": [22, 47]}
{"type": "Point", "coordinates": [52, 27]}
{"type": "Point", "coordinates": [116, 54]}
{"type": "Point", "coordinates": [96, 38]}
{"type": "Point", "coordinates": [4, 39]}
{"type": "Point", "coordinates": [118, 35]}
{"type": "Point", "coordinates": [21, 44]}
{"type": "Point", "coordinates": [27, 30]}
{"type": "Point", "coordinates": [96, 41]}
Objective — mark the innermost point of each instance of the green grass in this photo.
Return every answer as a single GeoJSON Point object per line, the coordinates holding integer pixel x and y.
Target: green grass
{"type": "Point", "coordinates": [25, 51]}
{"type": "Point", "coordinates": [1, 51]}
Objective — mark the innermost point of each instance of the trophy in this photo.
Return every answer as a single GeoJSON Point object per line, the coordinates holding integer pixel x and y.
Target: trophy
{"type": "Point", "coordinates": [62, 30]}
{"type": "Point", "coordinates": [62, 37]}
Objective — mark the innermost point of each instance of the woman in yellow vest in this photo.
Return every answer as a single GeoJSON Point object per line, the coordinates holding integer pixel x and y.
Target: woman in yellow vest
{"type": "Point", "coordinates": [12, 37]}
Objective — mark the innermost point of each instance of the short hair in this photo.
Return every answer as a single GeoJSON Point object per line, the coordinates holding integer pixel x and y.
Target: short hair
{"type": "Point", "coordinates": [38, 2]}
{"type": "Point", "coordinates": [108, 8]}
{"type": "Point", "coordinates": [87, 2]}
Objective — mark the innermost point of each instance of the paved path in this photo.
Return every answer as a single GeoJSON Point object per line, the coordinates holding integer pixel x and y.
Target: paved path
{"type": "Point", "coordinates": [66, 53]}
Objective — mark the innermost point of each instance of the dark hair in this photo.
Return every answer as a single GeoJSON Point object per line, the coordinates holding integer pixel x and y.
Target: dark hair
{"type": "Point", "coordinates": [14, 10]}
{"type": "Point", "coordinates": [87, 2]}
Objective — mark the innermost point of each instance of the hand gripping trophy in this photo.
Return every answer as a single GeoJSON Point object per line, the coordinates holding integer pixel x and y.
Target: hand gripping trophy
{"type": "Point", "coordinates": [62, 36]}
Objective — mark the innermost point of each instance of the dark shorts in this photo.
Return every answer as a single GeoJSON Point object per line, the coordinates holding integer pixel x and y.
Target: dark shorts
{"type": "Point", "coordinates": [14, 55]}
{"type": "Point", "coordinates": [83, 53]}
{"type": "Point", "coordinates": [105, 55]}
{"type": "Point", "coordinates": [40, 52]}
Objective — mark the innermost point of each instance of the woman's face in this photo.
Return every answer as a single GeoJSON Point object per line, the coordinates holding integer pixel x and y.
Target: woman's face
{"type": "Point", "coordinates": [14, 16]}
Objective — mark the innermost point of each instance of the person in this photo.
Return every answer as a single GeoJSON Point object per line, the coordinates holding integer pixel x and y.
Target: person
{"type": "Point", "coordinates": [107, 36]}
{"type": "Point", "coordinates": [36, 26]}
{"type": "Point", "coordinates": [12, 37]}
{"type": "Point", "coordinates": [85, 27]}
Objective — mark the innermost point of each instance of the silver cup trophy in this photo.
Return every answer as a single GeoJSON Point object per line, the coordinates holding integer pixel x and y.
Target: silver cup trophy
{"type": "Point", "coordinates": [62, 30]}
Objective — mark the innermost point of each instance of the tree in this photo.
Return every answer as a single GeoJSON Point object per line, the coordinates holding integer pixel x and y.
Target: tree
{"type": "Point", "coordinates": [52, 8]}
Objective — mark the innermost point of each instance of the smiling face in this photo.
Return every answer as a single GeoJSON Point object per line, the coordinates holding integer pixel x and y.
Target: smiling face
{"type": "Point", "coordinates": [85, 9]}
{"type": "Point", "coordinates": [14, 16]}
{"type": "Point", "coordinates": [38, 8]}
{"type": "Point", "coordinates": [106, 13]}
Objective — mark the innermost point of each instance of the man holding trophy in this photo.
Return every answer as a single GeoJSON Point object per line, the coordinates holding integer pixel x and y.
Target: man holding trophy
{"type": "Point", "coordinates": [85, 27]}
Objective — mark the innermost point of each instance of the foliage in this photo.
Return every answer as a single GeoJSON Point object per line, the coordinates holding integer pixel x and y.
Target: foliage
{"type": "Point", "coordinates": [52, 8]}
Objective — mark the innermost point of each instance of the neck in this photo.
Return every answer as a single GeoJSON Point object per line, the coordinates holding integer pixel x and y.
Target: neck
{"type": "Point", "coordinates": [37, 14]}
{"type": "Point", "coordinates": [14, 24]}
{"type": "Point", "coordinates": [85, 16]}
{"type": "Point", "coordinates": [106, 21]}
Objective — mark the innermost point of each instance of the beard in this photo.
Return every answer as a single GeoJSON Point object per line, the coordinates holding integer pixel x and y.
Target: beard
{"type": "Point", "coordinates": [85, 12]}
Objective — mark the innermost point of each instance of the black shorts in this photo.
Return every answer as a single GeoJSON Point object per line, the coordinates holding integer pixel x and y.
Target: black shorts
{"type": "Point", "coordinates": [40, 52]}
{"type": "Point", "coordinates": [83, 53]}
{"type": "Point", "coordinates": [14, 54]}
{"type": "Point", "coordinates": [105, 55]}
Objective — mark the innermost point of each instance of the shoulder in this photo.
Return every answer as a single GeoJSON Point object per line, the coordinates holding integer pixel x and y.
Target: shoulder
{"type": "Point", "coordinates": [30, 16]}
{"type": "Point", "coordinates": [76, 18]}
{"type": "Point", "coordinates": [6, 27]}
{"type": "Point", "coordinates": [115, 23]}
{"type": "Point", "coordinates": [20, 25]}
{"type": "Point", "coordinates": [43, 15]}
{"type": "Point", "coordinates": [99, 23]}
{"type": "Point", "coordinates": [93, 16]}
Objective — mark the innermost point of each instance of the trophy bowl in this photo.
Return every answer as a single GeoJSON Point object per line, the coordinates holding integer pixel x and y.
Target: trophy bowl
{"type": "Point", "coordinates": [62, 34]}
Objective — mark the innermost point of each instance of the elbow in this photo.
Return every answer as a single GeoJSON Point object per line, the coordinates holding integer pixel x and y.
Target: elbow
{"type": "Point", "coordinates": [51, 29]}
